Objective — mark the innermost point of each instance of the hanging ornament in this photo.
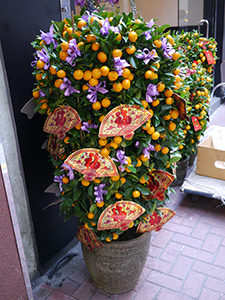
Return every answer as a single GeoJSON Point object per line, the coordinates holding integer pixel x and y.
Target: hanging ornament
{"type": "Point", "coordinates": [158, 183]}
{"type": "Point", "coordinates": [181, 105]}
{"type": "Point", "coordinates": [54, 146]}
{"type": "Point", "coordinates": [62, 120]}
{"type": "Point", "coordinates": [123, 120]}
{"type": "Point", "coordinates": [155, 221]}
{"type": "Point", "coordinates": [119, 215]}
{"type": "Point", "coordinates": [88, 238]}
{"type": "Point", "coordinates": [92, 164]}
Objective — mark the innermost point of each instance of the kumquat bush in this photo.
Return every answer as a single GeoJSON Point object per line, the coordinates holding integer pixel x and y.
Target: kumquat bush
{"type": "Point", "coordinates": [93, 64]}
{"type": "Point", "coordinates": [200, 58]}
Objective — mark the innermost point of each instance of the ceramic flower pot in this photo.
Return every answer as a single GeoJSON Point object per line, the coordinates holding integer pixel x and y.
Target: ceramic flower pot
{"type": "Point", "coordinates": [116, 267]}
{"type": "Point", "coordinates": [181, 171]}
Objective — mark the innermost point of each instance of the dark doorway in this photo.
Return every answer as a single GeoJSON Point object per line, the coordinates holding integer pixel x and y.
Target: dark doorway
{"type": "Point", "coordinates": [20, 22]}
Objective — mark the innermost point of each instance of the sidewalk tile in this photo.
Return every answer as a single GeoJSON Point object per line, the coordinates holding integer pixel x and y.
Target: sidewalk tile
{"type": "Point", "coordinates": [193, 284]}
{"type": "Point", "coordinates": [126, 296]}
{"type": "Point", "coordinates": [212, 243]}
{"type": "Point", "coordinates": [42, 291]}
{"type": "Point", "coordinates": [165, 280]}
{"type": "Point", "coordinates": [142, 279]}
{"type": "Point", "coordinates": [171, 252]}
{"type": "Point", "coordinates": [198, 254]}
{"type": "Point", "coordinates": [191, 219]}
{"type": "Point", "coordinates": [178, 228]}
{"type": "Point", "coordinates": [219, 260]}
{"type": "Point", "coordinates": [209, 295]}
{"type": "Point", "coordinates": [99, 296]}
{"type": "Point", "coordinates": [200, 231]}
{"type": "Point", "coordinates": [158, 265]}
{"type": "Point", "coordinates": [215, 284]}
{"type": "Point", "coordinates": [85, 290]}
{"type": "Point", "coordinates": [209, 269]}
{"type": "Point", "coordinates": [57, 295]}
{"type": "Point", "coordinates": [181, 267]}
{"type": "Point", "coordinates": [187, 241]}
{"type": "Point", "coordinates": [162, 239]}
{"type": "Point", "coordinates": [147, 292]}
{"type": "Point", "coordinates": [80, 274]}
{"type": "Point", "coordinates": [68, 287]}
{"type": "Point", "coordinates": [165, 294]}
{"type": "Point", "coordinates": [154, 251]}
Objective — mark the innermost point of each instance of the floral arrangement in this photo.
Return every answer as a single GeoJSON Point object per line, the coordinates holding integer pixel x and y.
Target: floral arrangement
{"type": "Point", "coordinates": [100, 70]}
{"type": "Point", "coordinates": [200, 58]}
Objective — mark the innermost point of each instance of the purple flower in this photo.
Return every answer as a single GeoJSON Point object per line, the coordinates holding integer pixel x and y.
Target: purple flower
{"type": "Point", "coordinates": [146, 55]}
{"type": "Point", "coordinates": [147, 150]}
{"type": "Point", "coordinates": [122, 159]}
{"type": "Point", "coordinates": [99, 192]}
{"type": "Point", "coordinates": [43, 55]}
{"type": "Point", "coordinates": [168, 49]}
{"type": "Point", "coordinates": [41, 93]}
{"type": "Point", "coordinates": [79, 2]}
{"type": "Point", "coordinates": [86, 125]}
{"type": "Point", "coordinates": [147, 33]}
{"type": "Point", "coordinates": [73, 52]}
{"type": "Point", "coordinates": [70, 173]}
{"type": "Point", "coordinates": [105, 27]}
{"type": "Point", "coordinates": [59, 180]}
{"type": "Point", "coordinates": [92, 97]}
{"type": "Point", "coordinates": [119, 64]}
{"type": "Point", "coordinates": [66, 85]}
{"type": "Point", "coordinates": [151, 93]}
{"type": "Point", "coordinates": [48, 37]}
{"type": "Point", "coordinates": [137, 144]}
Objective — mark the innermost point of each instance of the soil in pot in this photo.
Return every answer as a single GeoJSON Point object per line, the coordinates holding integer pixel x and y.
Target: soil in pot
{"type": "Point", "coordinates": [181, 171]}
{"type": "Point", "coordinates": [116, 267]}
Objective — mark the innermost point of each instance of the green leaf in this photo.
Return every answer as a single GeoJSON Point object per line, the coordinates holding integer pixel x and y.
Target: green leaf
{"type": "Point", "coordinates": [133, 61]}
{"type": "Point", "coordinates": [128, 192]}
{"type": "Point", "coordinates": [76, 195]}
{"type": "Point", "coordinates": [143, 190]}
{"type": "Point", "coordinates": [91, 190]}
{"type": "Point", "coordinates": [175, 158]}
{"type": "Point", "coordinates": [93, 207]}
{"type": "Point", "coordinates": [132, 169]}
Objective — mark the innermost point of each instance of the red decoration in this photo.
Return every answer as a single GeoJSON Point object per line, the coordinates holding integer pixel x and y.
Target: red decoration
{"type": "Point", "coordinates": [181, 105]}
{"type": "Point", "coordinates": [123, 120]}
{"type": "Point", "coordinates": [209, 57]}
{"type": "Point", "coordinates": [88, 238]}
{"type": "Point", "coordinates": [119, 215]}
{"type": "Point", "coordinates": [92, 164]}
{"type": "Point", "coordinates": [196, 124]}
{"type": "Point", "coordinates": [62, 120]}
{"type": "Point", "coordinates": [54, 146]}
{"type": "Point", "coordinates": [155, 221]}
{"type": "Point", "coordinates": [158, 183]}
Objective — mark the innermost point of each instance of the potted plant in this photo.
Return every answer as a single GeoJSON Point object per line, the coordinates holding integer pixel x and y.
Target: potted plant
{"type": "Point", "coordinates": [105, 83]}
{"type": "Point", "coordinates": [199, 59]}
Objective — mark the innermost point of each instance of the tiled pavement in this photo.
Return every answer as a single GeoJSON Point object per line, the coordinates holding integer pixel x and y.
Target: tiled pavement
{"type": "Point", "coordinates": [186, 258]}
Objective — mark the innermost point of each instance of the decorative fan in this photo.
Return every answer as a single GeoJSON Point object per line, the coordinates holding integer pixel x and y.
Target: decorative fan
{"type": "Point", "coordinates": [92, 164]}
{"type": "Point", "coordinates": [54, 147]}
{"type": "Point", "coordinates": [123, 120]}
{"type": "Point", "coordinates": [155, 221]}
{"type": "Point", "coordinates": [181, 105]}
{"type": "Point", "coordinates": [119, 215]}
{"type": "Point", "coordinates": [89, 238]}
{"type": "Point", "coordinates": [62, 120]}
{"type": "Point", "coordinates": [158, 183]}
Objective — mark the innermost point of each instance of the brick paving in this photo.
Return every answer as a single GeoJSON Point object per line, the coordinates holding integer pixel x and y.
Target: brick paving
{"type": "Point", "coordinates": [186, 258]}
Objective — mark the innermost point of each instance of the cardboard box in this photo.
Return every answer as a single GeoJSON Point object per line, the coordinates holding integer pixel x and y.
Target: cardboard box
{"type": "Point", "coordinates": [210, 161]}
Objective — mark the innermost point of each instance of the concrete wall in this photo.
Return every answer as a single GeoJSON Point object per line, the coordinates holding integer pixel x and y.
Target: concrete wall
{"type": "Point", "coordinates": [15, 170]}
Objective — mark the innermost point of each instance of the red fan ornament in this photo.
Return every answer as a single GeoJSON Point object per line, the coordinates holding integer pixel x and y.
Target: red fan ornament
{"type": "Point", "coordinates": [62, 120]}
{"type": "Point", "coordinates": [54, 146]}
{"type": "Point", "coordinates": [158, 183]}
{"type": "Point", "coordinates": [181, 105]}
{"type": "Point", "coordinates": [123, 120]}
{"type": "Point", "coordinates": [92, 164]}
{"type": "Point", "coordinates": [119, 215]}
{"type": "Point", "coordinates": [88, 238]}
{"type": "Point", "coordinates": [155, 221]}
